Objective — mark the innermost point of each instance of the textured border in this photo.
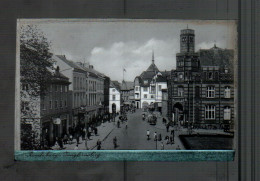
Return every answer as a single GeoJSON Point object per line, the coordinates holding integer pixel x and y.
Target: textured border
{"type": "Point", "coordinates": [126, 155]}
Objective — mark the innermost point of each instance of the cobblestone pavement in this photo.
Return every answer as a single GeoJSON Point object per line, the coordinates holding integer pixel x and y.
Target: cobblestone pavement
{"type": "Point", "coordinates": [134, 137]}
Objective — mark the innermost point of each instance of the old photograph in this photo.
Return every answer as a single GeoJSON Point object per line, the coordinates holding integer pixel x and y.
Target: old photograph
{"type": "Point", "coordinates": [126, 84]}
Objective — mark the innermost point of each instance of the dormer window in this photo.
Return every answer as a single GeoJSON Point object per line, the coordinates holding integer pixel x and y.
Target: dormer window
{"type": "Point", "coordinates": [145, 81]}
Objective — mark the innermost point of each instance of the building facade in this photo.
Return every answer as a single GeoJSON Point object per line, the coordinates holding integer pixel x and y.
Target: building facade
{"type": "Point", "coordinates": [114, 99]}
{"type": "Point", "coordinates": [55, 108]}
{"type": "Point", "coordinates": [127, 91]}
{"type": "Point", "coordinates": [148, 87]}
{"type": "Point", "coordinates": [201, 89]}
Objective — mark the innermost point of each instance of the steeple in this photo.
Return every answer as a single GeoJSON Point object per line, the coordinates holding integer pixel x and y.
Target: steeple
{"type": "Point", "coordinates": [153, 58]}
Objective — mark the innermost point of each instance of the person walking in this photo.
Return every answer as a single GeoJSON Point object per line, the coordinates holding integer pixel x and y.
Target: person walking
{"type": "Point", "coordinates": [86, 144]}
{"type": "Point", "coordinates": [115, 142]}
{"type": "Point", "coordinates": [155, 136]}
{"type": "Point", "coordinates": [98, 144]}
{"type": "Point", "coordinates": [148, 134]}
{"type": "Point", "coordinates": [162, 146]}
{"type": "Point", "coordinates": [160, 137]}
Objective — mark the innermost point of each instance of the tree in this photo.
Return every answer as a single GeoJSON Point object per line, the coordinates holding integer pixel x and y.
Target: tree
{"type": "Point", "coordinates": [35, 60]}
{"type": "Point", "coordinates": [35, 63]}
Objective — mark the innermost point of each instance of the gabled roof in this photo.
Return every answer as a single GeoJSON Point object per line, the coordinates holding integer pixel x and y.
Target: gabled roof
{"type": "Point", "coordinates": [69, 62]}
{"type": "Point", "coordinates": [116, 84]}
{"type": "Point", "coordinates": [126, 85]}
{"type": "Point", "coordinates": [152, 68]}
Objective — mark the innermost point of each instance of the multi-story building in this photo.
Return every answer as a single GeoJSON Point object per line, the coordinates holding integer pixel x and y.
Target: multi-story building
{"type": "Point", "coordinates": [54, 108]}
{"type": "Point", "coordinates": [201, 89]}
{"type": "Point", "coordinates": [114, 98]}
{"type": "Point", "coordinates": [148, 87]}
{"type": "Point", "coordinates": [127, 92]}
{"type": "Point", "coordinates": [77, 88]}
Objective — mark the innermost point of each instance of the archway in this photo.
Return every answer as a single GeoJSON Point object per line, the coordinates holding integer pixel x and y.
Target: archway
{"type": "Point", "coordinates": [178, 116]}
{"type": "Point", "coordinates": [114, 108]}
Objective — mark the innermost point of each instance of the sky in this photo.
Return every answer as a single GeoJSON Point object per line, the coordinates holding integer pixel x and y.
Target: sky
{"type": "Point", "coordinates": [113, 45]}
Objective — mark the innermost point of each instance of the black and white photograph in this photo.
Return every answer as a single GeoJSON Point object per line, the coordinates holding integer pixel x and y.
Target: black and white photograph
{"type": "Point", "coordinates": [114, 84]}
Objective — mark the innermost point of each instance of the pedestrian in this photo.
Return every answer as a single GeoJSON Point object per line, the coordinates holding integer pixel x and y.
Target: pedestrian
{"type": "Point", "coordinates": [76, 147]}
{"type": "Point", "coordinates": [148, 134]}
{"type": "Point", "coordinates": [84, 133]}
{"type": "Point", "coordinates": [172, 132]}
{"type": "Point", "coordinates": [98, 144]}
{"type": "Point", "coordinates": [71, 139]}
{"type": "Point", "coordinates": [86, 144]}
{"type": "Point", "coordinates": [178, 147]}
{"type": "Point", "coordinates": [77, 138]}
{"type": "Point", "coordinates": [96, 131]}
{"type": "Point", "coordinates": [89, 129]}
{"type": "Point", "coordinates": [126, 124]}
{"type": "Point", "coordinates": [155, 136]}
{"type": "Point", "coordinates": [118, 124]}
{"type": "Point", "coordinates": [115, 142]}
{"type": "Point", "coordinates": [162, 146]}
{"type": "Point", "coordinates": [159, 137]}
{"type": "Point", "coordinates": [171, 139]}
{"type": "Point", "coordinates": [65, 139]}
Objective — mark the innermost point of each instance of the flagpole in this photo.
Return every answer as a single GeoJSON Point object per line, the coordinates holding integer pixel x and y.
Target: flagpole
{"type": "Point", "coordinates": [123, 74]}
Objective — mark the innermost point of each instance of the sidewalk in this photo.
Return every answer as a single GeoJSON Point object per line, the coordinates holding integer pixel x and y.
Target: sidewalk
{"type": "Point", "coordinates": [103, 132]}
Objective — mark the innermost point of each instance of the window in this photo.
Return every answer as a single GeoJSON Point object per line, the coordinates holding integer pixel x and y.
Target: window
{"type": "Point", "coordinates": [61, 87]}
{"type": "Point", "coordinates": [114, 90]}
{"type": "Point", "coordinates": [210, 75]}
{"type": "Point", "coordinates": [210, 92]}
{"type": "Point", "coordinates": [61, 104]}
{"type": "Point", "coordinates": [153, 89]}
{"type": "Point", "coordinates": [56, 104]}
{"type": "Point", "coordinates": [227, 92]}
{"type": "Point", "coordinates": [227, 113]}
{"type": "Point", "coordinates": [145, 89]}
{"type": "Point", "coordinates": [197, 91]}
{"type": "Point", "coordinates": [181, 76]}
{"type": "Point", "coordinates": [209, 112]}
{"type": "Point", "coordinates": [50, 103]}
{"type": "Point", "coordinates": [65, 103]}
{"type": "Point", "coordinates": [56, 88]}
{"type": "Point", "coordinates": [66, 89]}
{"type": "Point", "coordinates": [160, 87]}
{"type": "Point", "coordinates": [180, 91]}
{"type": "Point", "coordinates": [114, 97]}
{"type": "Point", "coordinates": [145, 81]}
{"type": "Point", "coordinates": [152, 96]}
{"type": "Point", "coordinates": [136, 88]}
{"type": "Point", "coordinates": [145, 95]}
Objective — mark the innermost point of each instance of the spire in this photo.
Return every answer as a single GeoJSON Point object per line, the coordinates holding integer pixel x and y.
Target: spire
{"type": "Point", "coordinates": [215, 44]}
{"type": "Point", "coordinates": [153, 57]}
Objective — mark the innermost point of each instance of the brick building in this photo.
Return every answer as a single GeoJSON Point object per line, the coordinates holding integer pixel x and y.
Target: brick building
{"type": "Point", "coordinates": [201, 90]}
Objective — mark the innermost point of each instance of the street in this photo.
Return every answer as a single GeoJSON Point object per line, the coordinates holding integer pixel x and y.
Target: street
{"type": "Point", "coordinates": [132, 138]}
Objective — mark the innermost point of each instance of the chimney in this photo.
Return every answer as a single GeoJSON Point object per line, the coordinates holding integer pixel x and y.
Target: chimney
{"type": "Point", "coordinates": [91, 66]}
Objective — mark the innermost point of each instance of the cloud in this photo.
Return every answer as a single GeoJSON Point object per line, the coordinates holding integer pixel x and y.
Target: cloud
{"type": "Point", "coordinates": [134, 56]}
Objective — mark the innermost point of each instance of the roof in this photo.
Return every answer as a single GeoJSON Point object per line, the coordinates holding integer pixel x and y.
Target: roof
{"type": "Point", "coordinates": [115, 84]}
{"type": "Point", "coordinates": [69, 62]}
{"type": "Point", "coordinates": [126, 85]}
{"type": "Point", "coordinates": [152, 68]}
{"type": "Point", "coordinates": [216, 56]}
